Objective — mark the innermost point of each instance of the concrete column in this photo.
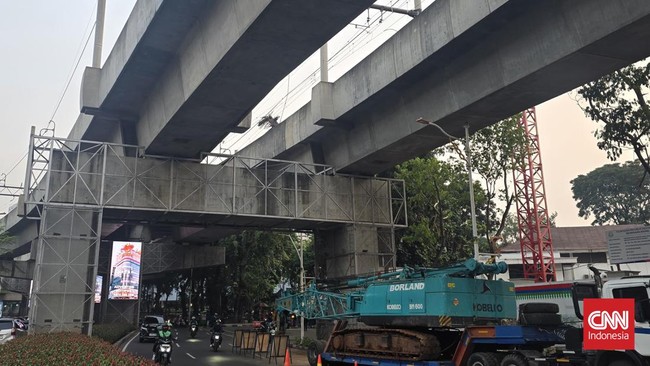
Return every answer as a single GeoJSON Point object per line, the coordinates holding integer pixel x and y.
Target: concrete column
{"type": "Point", "coordinates": [347, 251]}
{"type": "Point", "coordinates": [64, 274]}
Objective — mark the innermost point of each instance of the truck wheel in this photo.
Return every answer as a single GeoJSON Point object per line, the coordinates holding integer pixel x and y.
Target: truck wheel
{"type": "Point", "coordinates": [514, 359]}
{"type": "Point", "coordinates": [540, 319]}
{"type": "Point", "coordinates": [313, 351]}
{"type": "Point", "coordinates": [622, 363]}
{"type": "Point", "coordinates": [539, 307]}
{"type": "Point", "coordinates": [483, 359]}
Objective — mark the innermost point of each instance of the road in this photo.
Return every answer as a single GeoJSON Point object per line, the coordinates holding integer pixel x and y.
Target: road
{"type": "Point", "coordinates": [197, 351]}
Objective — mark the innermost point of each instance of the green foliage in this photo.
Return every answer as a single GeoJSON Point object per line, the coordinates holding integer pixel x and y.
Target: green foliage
{"type": "Point", "coordinates": [304, 343]}
{"type": "Point", "coordinates": [65, 349]}
{"type": "Point", "coordinates": [612, 195]}
{"type": "Point", "coordinates": [494, 150]}
{"type": "Point", "coordinates": [510, 234]}
{"type": "Point", "coordinates": [619, 102]}
{"type": "Point", "coordinates": [439, 214]}
{"type": "Point", "coordinates": [112, 332]}
{"type": "Point", "coordinates": [256, 262]}
{"type": "Point", "coordinates": [5, 239]}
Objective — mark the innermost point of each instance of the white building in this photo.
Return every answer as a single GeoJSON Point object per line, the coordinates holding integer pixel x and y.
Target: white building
{"type": "Point", "coordinates": [575, 248]}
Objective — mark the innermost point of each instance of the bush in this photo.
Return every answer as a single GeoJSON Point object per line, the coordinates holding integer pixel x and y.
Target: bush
{"type": "Point", "coordinates": [305, 343]}
{"type": "Point", "coordinates": [65, 349]}
{"type": "Point", "coordinates": [112, 333]}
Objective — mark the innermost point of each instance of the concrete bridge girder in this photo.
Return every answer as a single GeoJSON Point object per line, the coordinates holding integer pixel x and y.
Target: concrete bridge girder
{"type": "Point", "coordinates": [452, 65]}
{"type": "Point", "coordinates": [200, 82]}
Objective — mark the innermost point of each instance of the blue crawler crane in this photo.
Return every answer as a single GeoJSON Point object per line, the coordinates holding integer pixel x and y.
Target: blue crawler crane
{"type": "Point", "coordinates": [427, 316]}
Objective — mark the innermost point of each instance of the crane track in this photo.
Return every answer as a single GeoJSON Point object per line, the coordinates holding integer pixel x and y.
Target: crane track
{"type": "Point", "coordinates": [390, 343]}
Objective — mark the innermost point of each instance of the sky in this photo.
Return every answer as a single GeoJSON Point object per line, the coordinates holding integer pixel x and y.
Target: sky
{"type": "Point", "coordinates": [42, 42]}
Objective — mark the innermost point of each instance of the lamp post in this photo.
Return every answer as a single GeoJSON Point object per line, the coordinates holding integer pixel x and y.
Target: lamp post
{"type": "Point", "coordinates": [469, 173]}
{"type": "Point", "coordinates": [300, 252]}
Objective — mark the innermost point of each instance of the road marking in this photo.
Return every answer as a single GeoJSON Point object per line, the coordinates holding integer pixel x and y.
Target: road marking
{"type": "Point", "coordinates": [178, 345]}
{"type": "Point", "coordinates": [194, 358]}
{"type": "Point", "coordinates": [129, 342]}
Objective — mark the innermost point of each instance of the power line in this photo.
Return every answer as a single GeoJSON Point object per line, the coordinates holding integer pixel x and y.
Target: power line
{"type": "Point", "coordinates": [72, 75]}
{"type": "Point", "coordinates": [293, 94]}
{"type": "Point", "coordinates": [74, 68]}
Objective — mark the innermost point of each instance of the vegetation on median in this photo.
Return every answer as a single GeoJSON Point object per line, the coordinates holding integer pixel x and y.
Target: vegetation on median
{"type": "Point", "coordinates": [113, 332]}
{"type": "Point", "coordinates": [65, 349]}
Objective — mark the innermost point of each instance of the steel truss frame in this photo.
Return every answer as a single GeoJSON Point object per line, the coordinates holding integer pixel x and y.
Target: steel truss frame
{"type": "Point", "coordinates": [96, 174]}
{"type": "Point", "coordinates": [532, 213]}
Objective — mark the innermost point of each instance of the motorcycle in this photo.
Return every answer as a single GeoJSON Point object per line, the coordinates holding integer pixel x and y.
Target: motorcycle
{"type": "Point", "coordinates": [193, 329]}
{"type": "Point", "coordinates": [216, 341]}
{"type": "Point", "coordinates": [163, 354]}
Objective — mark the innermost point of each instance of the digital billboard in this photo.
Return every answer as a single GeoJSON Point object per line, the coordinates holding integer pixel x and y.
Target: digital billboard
{"type": "Point", "coordinates": [98, 289]}
{"type": "Point", "coordinates": [125, 271]}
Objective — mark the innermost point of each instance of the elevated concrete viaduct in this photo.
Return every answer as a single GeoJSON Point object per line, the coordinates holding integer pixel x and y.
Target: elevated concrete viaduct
{"type": "Point", "coordinates": [184, 74]}
{"type": "Point", "coordinates": [459, 61]}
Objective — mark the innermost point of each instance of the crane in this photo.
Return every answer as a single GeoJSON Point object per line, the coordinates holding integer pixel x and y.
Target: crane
{"type": "Point", "coordinates": [532, 213]}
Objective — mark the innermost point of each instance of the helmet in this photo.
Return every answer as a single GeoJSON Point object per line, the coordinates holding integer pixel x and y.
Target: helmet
{"type": "Point", "coordinates": [193, 318]}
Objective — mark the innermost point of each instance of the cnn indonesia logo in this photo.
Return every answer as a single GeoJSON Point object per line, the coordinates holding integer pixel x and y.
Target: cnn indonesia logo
{"type": "Point", "coordinates": [608, 324]}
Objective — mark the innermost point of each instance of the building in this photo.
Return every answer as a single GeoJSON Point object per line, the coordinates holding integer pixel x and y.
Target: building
{"type": "Point", "coordinates": [575, 248]}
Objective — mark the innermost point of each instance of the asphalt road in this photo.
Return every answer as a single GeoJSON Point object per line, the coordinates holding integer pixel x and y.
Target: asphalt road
{"type": "Point", "coordinates": [197, 351]}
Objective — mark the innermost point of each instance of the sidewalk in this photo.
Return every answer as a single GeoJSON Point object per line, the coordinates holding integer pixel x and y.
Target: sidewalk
{"type": "Point", "coordinates": [298, 355]}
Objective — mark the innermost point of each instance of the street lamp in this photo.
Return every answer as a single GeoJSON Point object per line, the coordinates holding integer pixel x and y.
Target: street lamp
{"type": "Point", "coordinates": [469, 173]}
{"type": "Point", "coordinates": [300, 252]}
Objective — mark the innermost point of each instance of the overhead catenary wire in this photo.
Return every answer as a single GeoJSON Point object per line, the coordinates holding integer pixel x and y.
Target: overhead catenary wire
{"type": "Point", "coordinates": [67, 85]}
{"type": "Point", "coordinates": [292, 94]}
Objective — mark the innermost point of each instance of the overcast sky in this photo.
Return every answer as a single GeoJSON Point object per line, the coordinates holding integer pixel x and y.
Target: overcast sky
{"type": "Point", "coordinates": [41, 41]}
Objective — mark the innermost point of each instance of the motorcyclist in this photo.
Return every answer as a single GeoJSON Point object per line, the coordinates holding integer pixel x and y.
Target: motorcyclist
{"type": "Point", "coordinates": [194, 323]}
{"type": "Point", "coordinates": [164, 335]}
{"type": "Point", "coordinates": [217, 327]}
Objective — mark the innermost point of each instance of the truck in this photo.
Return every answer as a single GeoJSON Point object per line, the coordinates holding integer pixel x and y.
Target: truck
{"type": "Point", "coordinates": [570, 295]}
{"type": "Point", "coordinates": [431, 317]}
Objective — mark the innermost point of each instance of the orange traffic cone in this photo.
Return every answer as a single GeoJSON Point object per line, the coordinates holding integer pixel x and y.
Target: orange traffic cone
{"type": "Point", "coordinates": [355, 363]}
{"type": "Point", "coordinates": [319, 362]}
{"type": "Point", "coordinates": [287, 358]}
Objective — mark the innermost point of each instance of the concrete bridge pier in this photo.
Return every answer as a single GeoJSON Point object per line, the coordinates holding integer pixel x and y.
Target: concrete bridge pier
{"type": "Point", "coordinates": [351, 250]}
{"type": "Point", "coordinates": [66, 265]}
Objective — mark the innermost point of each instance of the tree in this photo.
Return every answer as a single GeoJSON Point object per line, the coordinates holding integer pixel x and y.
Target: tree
{"type": "Point", "coordinates": [5, 240]}
{"type": "Point", "coordinates": [439, 214]}
{"type": "Point", "coordinates": [612, 195]}
{"type": "Point", "coordinates": [510, 234]}
{"type": "Point", "coordinates": [619, 101]}
{"type": "Point", "coordinates": [495, 151]}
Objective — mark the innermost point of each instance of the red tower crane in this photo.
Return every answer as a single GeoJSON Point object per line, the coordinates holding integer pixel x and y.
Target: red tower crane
{"type": "Point", "coordinates": [532, 214]}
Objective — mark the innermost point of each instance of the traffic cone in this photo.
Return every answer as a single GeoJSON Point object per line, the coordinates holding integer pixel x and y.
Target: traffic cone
{"type": "Point", "coordinates": [319, 362]}
{"type": "Point", "coordinates": [356, 363]}
{"type": "Point", "coordinates": [287, 358]}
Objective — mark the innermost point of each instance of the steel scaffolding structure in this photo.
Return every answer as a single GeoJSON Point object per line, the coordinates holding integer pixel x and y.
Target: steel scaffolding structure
{"type": "Point", "coordinates": [94, 174]}
{"type": "Point", "coordinates": [71, 186]}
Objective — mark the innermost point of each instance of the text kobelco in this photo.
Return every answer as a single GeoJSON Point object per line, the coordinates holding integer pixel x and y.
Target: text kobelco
{"type": "Point", "coordinates": [488, 307]}
{"type": "Point", "coordinates": [407, 286]}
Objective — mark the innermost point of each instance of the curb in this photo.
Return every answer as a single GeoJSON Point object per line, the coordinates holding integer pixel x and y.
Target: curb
{"type": "Point", "coordinates": [121, 341]}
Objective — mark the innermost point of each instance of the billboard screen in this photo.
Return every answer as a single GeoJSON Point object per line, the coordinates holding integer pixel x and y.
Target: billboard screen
{"type": "Point", "coordinates": [98, 289]}
{"type": "Point", "coordinates": [125, 271]}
